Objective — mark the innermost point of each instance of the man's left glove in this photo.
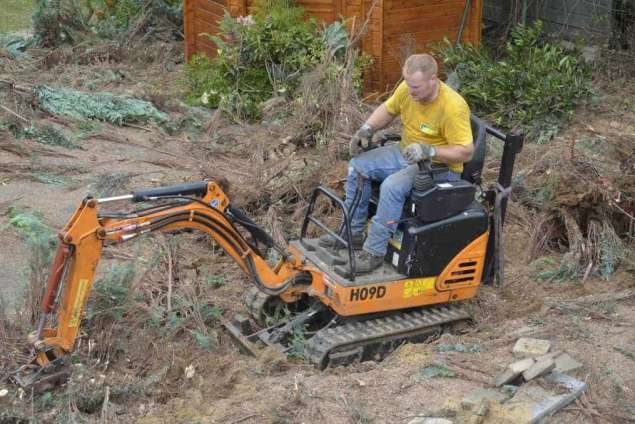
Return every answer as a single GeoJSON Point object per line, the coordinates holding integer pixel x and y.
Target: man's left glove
{"type": "Point", "coordinates": [416, 152]}
{"type": "Point", "coordinates": [361, 141]}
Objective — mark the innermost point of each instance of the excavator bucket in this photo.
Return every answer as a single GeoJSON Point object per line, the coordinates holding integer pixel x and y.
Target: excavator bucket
{"type": "Point", "coordinates": [38, 378]}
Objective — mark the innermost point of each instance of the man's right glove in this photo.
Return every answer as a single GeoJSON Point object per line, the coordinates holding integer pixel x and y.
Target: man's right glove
{"type": "Point", "coordinates": [361, 141]}
{"type": "Point", "coordinates": [416, 152]}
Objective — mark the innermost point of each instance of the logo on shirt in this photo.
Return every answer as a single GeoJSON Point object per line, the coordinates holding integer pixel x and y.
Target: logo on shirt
{"type": "Point", "coordinates": [427, 129]}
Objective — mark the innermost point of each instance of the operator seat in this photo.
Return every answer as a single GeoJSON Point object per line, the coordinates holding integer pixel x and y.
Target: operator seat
{"type": "Point", "coordinates": [473, 169]}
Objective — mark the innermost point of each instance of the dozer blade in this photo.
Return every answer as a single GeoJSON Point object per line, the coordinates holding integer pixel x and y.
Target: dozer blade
{"type": "Point", "coordinates": [237, 330]}
{"type": "Point", "coordinates": [42, 378]}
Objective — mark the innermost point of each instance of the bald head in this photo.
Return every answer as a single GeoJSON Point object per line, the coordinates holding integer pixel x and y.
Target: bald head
{"type": "Point", "coordinates": [423, 63]}
{"type": "Point", "coordinates": [420, 75]}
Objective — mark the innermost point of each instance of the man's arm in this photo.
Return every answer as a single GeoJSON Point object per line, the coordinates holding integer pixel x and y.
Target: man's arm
{"type": "Point", "coordinates": [454, 153]}
{"type": "Point", "coordinates": [380, 118]}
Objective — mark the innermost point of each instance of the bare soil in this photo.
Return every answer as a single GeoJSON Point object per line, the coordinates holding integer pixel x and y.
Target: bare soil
{"type": "Point", "coordinates": [221, 385]}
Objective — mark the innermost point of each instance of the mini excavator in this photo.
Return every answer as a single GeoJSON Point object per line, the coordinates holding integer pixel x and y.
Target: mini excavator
{"type": "Point", "coordinates": [447, 243]}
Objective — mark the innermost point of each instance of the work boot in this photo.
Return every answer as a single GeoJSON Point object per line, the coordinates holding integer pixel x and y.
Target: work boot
{"type": "Point", "coordinates": [327, 241]}
{"type": "Point", "coordinates": [367, 262]}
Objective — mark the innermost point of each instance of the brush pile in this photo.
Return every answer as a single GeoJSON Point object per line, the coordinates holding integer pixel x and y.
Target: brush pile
{"type": "Point", "coordinates": [577, 197]}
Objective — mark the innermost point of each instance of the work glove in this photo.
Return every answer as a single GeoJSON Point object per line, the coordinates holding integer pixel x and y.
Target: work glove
{"type": "Point", "coordinates": [362, 140]}
{"type": "Point", "coordinates": [416, 152]}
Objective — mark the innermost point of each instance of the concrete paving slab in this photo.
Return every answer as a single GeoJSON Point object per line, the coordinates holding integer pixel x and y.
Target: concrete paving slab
{"type": "Point", "coordinates": [528, 347]}
{"type": "Point", "coordinates": [539, 368]}
{"type": "Point", "coordinates": [535, 403]}
{"type": "Point", "coordinates": [565, 363]}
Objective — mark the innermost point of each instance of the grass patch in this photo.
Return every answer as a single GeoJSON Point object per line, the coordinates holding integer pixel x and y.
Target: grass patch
{"type": "Point", "coordinates": [16, 15]}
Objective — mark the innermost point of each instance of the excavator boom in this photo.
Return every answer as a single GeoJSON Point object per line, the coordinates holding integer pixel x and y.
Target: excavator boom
{"type": "Point", "coordinates": [84, 236]}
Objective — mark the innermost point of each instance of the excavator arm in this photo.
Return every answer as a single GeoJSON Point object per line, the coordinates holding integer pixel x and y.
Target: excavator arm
{"type": "Point", "coordinates": [202, 206]}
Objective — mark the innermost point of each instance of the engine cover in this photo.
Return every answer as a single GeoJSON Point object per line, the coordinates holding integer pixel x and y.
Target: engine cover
{"type": "Point", "coordinates": [424, 249]}
{"type": "Point", "coordinates": [442, 200]}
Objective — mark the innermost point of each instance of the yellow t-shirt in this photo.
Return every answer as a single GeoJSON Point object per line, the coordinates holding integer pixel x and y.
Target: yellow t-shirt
{"type": "Point", "coordinates": [442, 122]}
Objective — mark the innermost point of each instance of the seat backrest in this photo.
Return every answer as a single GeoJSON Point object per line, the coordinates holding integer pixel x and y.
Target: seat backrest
{"type": "Point", "coordinates": [472, 170]}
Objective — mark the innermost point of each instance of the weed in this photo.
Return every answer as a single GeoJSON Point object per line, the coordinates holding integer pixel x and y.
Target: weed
{"type": "Point", "coordinates": [110, 293]}
{"type": "Point", "coordinates": [596, 144]}
{"type": "Point", "coordinates": [213, 280]}
{"type": "Point", "coordinates": [207, 341]}
{"type": "Point", "coordinates": [53, 179]}
{"type": "Point", "coordinates": [608, 308]}
{"type": "Point", "coordinates": [278, 314]}
{"type": "Point", "coordinates": [45, 134]}
{"type": "Point", "coordinates": [41, 243]}
{"type": "Point", "coordinates": [298, 343]}
{"type": "Point", "coordinates": [459, 347]}
{"type": "Point", "coordinates": [535, 322]}
{"type": "Point", "coordinates": [359, 414]}
{"type": "Point", "coordinates": [609, 373]}
{"type": "Point", "coordinates": [548, 269]}
{"type": "Point", "coordinates": [436, 370]}
{"type": "Point", "coordinates": [30, 224]}
{"type": "Point", "coordinates": [629, 354]}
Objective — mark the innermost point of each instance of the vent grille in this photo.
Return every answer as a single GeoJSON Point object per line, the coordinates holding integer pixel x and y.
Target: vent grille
{"type": "Point", "coordinates": [463, 273]}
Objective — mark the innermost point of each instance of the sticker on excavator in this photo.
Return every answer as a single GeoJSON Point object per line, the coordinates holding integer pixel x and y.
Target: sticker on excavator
{"type": "Point", "coordinates": [396, 240]}
{"type": "Point", "coordinates": [416, 287]}
{"type": "Point", "coordinates": [77, 306]}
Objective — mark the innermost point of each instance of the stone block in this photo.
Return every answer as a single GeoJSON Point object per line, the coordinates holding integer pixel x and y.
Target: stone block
{"type": "Point", "coordinates": [539, 368]}
{"type": "Point", "coordinates": [473, 399]}
{"type": "Point", "coordinates": [512, 371]}
{"type": "Point", "coordinates": [565, 363]}
{"type": "Point", "coordinates": [527, 347]}
{"type": "Point", "coordinates": [522, 365]}
{"type": "Point", "coordinates": [507, 376]}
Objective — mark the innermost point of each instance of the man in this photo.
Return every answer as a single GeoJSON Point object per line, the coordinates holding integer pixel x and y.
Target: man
{"type": "Point", "coordinates": [436, 126]}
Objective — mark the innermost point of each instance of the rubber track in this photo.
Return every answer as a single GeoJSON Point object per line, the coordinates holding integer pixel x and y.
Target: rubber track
{"type": "Point", "coordinates": [396, 328]}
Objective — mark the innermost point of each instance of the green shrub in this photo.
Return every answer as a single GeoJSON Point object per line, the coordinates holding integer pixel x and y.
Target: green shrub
{"type": "Point", "coordinates": [121, 13]}
{"type": "Point", "coordinates": [536, 84]}
{"type": "Point", "coordinates": [257, 57]}
{"type": "Point", "coordinates": [71, 21]}
{"type": "Point", "coordinates": [262, 55]}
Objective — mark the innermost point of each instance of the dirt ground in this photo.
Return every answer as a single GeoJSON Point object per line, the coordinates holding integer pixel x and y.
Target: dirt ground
{"type": "Point", "coordinates": [224, 386]}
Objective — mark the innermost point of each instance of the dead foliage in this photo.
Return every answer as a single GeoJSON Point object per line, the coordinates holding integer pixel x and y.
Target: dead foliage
{"type": "Point", "coordinates": [83, 55]}
{"type": "Point", "coordinates": [578, 198]}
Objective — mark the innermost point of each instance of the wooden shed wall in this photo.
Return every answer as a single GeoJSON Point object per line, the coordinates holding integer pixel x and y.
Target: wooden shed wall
{"type": "Point", "coordinates": [422, 23]}
{"type": "Point", "coordinates": [392, 25]}
{"type": "Point", "coordinates": [201, 16]}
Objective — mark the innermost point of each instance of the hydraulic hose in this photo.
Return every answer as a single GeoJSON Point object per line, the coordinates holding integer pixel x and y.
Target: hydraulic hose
{"type": "Point", "coordinates": [214, 225]}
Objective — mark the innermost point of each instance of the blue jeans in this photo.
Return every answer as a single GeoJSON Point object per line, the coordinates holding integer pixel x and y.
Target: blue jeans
{"type": "Point", "coordinates": [384, 164]}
